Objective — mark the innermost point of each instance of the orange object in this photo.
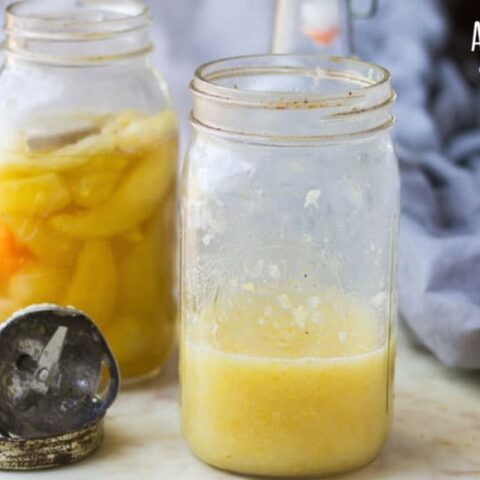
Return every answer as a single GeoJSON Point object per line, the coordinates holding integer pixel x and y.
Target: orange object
{"type": "Point", "coordinates": [322, 37]}
{"type": "Point", "coordinates": [12, 255]}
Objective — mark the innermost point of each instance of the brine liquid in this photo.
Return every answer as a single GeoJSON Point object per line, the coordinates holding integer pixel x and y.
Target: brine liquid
{"type": "Point", "coordinates": [272, 410]}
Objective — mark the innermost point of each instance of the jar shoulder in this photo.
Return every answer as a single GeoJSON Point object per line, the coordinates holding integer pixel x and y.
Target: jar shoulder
{"type": "Point", "coordinates": [37, 89]}
{"type": "Point", "coordinates": [212, 157]}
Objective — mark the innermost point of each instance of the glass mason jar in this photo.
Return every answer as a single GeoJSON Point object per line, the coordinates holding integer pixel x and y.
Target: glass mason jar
{"type": "Point", "coordinates": [290, 204]}
{"type": "Point", "coordinates": [88, 146]}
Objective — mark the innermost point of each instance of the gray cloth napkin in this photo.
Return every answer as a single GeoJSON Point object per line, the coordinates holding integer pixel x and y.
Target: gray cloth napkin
{"type": "Point", "coordinates": [438, 144]}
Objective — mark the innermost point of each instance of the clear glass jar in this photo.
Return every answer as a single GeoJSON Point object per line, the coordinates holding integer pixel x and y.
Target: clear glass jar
{"type": "Point", "coordinates": [88, 147]}
{"type": "Point", "coordinates": [290, 203]}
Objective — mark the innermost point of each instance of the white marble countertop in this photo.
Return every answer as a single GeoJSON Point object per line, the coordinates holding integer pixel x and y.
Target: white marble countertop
{"type": "Point", "coordinates": [436, 432]}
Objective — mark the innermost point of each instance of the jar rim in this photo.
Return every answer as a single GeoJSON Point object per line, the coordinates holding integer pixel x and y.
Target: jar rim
{"type": "Point", "coordinates": [206, 75]}
{"type": "Point", "coordinates": [77, 32]}
{"type": "Point", "coordinates": [76, 19]}
{"type": "Point", "coordinates": [292, 96]}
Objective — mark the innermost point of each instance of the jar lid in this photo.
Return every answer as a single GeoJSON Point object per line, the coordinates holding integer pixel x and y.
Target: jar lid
{"type": "Point", "coordinates": [58, 377]}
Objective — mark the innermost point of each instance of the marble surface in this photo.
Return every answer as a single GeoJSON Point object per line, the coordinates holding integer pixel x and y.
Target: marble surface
{"type": "Point", "coordinates": [436, 432]}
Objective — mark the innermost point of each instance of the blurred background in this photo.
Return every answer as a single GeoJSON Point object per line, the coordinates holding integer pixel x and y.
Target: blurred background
{"type": "Point", "coordinates": [427, 47]}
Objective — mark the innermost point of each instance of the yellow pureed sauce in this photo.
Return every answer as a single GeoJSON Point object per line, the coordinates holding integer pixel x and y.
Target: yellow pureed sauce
{"type": "Point", "coordinates": [87, 219]}
{"type": "Point", "coordinates": [287, 386]}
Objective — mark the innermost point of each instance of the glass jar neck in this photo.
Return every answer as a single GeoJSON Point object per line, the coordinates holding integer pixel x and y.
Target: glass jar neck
{"type": "Point", "coordinates": [76, 32]}
{"type": "Point", "coordinates": [292, 97]}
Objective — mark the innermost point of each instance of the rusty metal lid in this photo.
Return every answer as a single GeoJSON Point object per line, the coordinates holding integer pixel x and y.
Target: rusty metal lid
{"type": "Point", "coordinates": [58, 377]}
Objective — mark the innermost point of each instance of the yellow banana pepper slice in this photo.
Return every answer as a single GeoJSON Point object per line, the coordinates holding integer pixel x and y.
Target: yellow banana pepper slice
{"type": "Point", "coordinates": [144, 132]}
{"type": "Point", "coordinates": [22, 163]}
{"type": "Point", "coordinates": [129, 339]}
{"type": "Point", "coordinates": [133, 202]}
{"type": "Point", "coordinates": [49, 246]}
{"type": "Point", "coordinates": [94, 188]}
{"type": "Point", "coordinates": [140, 275]}
{"type": "Point", "coordinates": [38, 284]}
{"type": "Point", "coordinates": [7, 307]}
{"type": "Point", "coordinates": [93, 287]}
{"type": "Point", "coordinates": [37, 195]}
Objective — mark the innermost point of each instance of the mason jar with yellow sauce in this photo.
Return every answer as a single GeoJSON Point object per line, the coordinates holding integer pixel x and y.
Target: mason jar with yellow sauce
{"type": "Point", "coordinates": [88, 149]}
{"type": "Point", "coordinates": [290, 204]}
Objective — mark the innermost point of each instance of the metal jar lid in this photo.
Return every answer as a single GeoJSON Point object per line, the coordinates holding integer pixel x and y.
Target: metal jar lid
{"type": "Point", "coordinates": [58, 377]}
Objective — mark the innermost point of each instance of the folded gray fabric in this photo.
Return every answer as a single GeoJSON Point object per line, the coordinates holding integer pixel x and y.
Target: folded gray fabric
{"type": "Point", "coordinates": [438, 144]}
